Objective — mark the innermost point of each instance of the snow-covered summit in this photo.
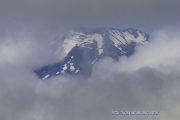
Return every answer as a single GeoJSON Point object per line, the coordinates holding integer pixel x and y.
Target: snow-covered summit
{"type": "Point", "coordinates": [83, 47]}
{"type": "Point", "coordinates": [82, 40]}
{"type": "Point", "coordinates": [118, 37]}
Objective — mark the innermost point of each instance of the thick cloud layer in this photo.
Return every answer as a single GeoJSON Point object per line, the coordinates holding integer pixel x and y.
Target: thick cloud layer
{"type": "Point", "coordinates": [149, 80]}
{"type": "Point", "coordinates": [55, 13]}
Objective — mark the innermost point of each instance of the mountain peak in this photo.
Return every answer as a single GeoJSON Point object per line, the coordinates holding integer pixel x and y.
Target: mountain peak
{"type": "Point", "coordinates": [83, 47]}
{"type": "Point", "coordinates": [83, 37]}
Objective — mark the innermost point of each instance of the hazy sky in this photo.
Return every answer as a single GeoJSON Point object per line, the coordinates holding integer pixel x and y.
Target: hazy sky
{"type": "Point", "coordinates": [148, 80]}
{"type": "Point", "coordinates": [146, 14]}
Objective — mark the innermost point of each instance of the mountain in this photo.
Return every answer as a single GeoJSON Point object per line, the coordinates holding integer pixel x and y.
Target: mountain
{"type": "Point", "coordinates": [84, 47]}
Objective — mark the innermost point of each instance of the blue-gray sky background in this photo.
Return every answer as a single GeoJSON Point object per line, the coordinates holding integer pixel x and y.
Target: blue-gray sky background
{"type": "Point", "coordinates": [55, 14]}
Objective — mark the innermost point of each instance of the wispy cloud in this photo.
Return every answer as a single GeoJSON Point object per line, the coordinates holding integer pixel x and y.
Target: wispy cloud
{"type": "Point", "coordinates": [148, 80]}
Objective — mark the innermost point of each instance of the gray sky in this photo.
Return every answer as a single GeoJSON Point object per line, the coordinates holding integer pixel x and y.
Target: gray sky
{"type": "Point", "coordinates": [69, 13]}
{"type": "Point", "coordinates": [148, 80]}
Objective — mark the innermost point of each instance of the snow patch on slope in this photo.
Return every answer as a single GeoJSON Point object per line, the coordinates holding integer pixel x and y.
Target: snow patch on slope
{"type": "Point", "coordinates": [80, 39]}
{"type": "Point", "coordinates": [124, 38]}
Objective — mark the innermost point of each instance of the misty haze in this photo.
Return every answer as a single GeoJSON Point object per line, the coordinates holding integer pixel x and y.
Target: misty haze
{"type": "Point", "coordinates": [89, 60]}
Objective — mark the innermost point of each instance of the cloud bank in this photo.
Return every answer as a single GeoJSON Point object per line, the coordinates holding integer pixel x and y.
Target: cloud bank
{"type": "Point", "coordinates": [148, 80]}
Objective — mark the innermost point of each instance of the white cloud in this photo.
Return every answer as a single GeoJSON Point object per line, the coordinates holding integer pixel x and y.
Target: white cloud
{"type": "Point", "coordinates": [23, 48]}
{"type": "Point", "coordinates": [149, 80]}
